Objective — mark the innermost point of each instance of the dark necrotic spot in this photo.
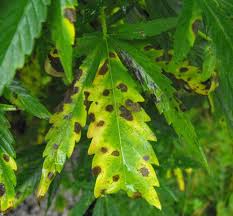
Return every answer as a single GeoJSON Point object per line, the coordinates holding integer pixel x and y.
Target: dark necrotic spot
{"type": "Point", "coordinates": [135, 107]}
{"type": "Point", "coordinates": [103, 191]}
{"type": "Point", "coordinates": [109, 108]}
{"type": "Point", "coordinates": [195, 26]}
{"type": "Point", "coordinates": [86, 102]}
{"type": "Point", "coordinates": [104, 150]}
{"type": "Point", "coordinates": [50, 175]}
{"type": "Point", "coordinates": [100, 123]}
{"type": "Point", "coordinates": [77, 127]}
{"type": "Point", "coordinates": [144, 171]}
{"type": "Point", "coordinates": [104, 68]}
{"type": "Point", "coordinates": [55, 63]}
{"type": "Point", "coordinates": [137, 195]}
{"type": "Point", "coordinates": [159, 59]}
{"type": "Point", "coordinates": [79, 73]}
{"type": "Point", "coordinates": [96, 171]}
{"type": "Point", "coordinates": [115, 153]}
{"type": "Point", "coordinates": [2, 189]}
{"type": "Point", "coordinates": [91, 117]}
{"type": "Point", "coordinates": [55, 146]}
{"type": "Point", "coordinates": [146, 157]}
{"type": "Point", "coordinates": [115, 178]}
{"type": "Point", "coordinates": [207, 84]}
{"type": "Point", "coordinates": [148, 47]}
{"type": "Point", "coordinates": [122, 87]}
{"type": "Point", "coordinates": [6, 157]}
{"type": "Point", "coordinates": [112, 55]}
{"type": "Point", "coordinates": [70, 14]}
{"type": "Point", "coordinates": [125, 113]}
{"type": "Point", "coordinates": [183, 69]}
{"type": "Point", "coordinates": [55, 51]}
{"type": "Point", "coordinates": [106, 92]}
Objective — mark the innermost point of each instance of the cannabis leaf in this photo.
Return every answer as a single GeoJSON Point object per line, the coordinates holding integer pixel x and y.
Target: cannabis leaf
{"type": "Point", "coordinates": [21, 23]}
{"type": "Point", "coordinates": [7, 165]}
{"type": "Point", "coordinates": [165, 99]}
{"type": "Point", "coordinates": [63, 32]}
{"type": "Point", "coordinates": [123, 156]}
{"type": "Point", "coordinates": [19, 96]}
{"type": "Point", "coordinates": [68, 123]}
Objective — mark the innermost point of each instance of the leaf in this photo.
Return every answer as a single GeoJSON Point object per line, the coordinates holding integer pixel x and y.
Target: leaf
{"type": "Point", "coordinates": [67, 124]}
{"type": "Point", "coordinates": [25, 101]}
{"type": "Point", "coordinates": [165, 99]}
{"type": "Point", "coordinates": [63, 32]}
{"type": "Point", "coordinates": [187, 28]}
{"type": "Point", "coordinates": [21, 22]}
{"type": "Point", "coordinates": [123, 156]}
{"type": "Point", "coordinates": [7, 166]}
{"type": "Point", "coordinates": [221, 31]}
{"type": "Point", "coordinates": [143, 29]}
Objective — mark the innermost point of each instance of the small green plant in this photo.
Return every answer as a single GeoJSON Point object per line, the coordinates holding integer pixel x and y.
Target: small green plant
{"type": "Point", "coordinates": [138, 76]}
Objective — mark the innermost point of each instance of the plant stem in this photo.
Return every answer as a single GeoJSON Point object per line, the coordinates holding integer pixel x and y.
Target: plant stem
{"type": "Point", "coordinates": [103, 22]}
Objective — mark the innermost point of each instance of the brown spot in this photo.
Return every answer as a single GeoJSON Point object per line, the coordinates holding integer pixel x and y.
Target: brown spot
{"type": "Point", "coordinates": [115, 178]}
{"type": "Point", "coordinates": [137, 195]}
{"type": "Point", "coordinates": [77, 127]}
{"type": "Point", "coordinates": [100, 123]}
{"type": "Point", "coordinates": [115, 153]}
{"type": "Point", "coordinates": [79, 74]}
{"type": "Point", "coordinates": [55, 146]}
{"type": "Point", "coordinates": [195, 26]}
{"type": "Point", "coordinates": [91, 117]}
{"type": "Point", "coordinates": [70, 14]}
{"type": "Point", "coordinates": [104, 150]}
{"type": "Point", "coordinates": [55, 51]}
{"type": "Point", "coordinates": [135, 107]}
{"type": "Point", "coordinates": [103, 191]}
{"type": "Point", "coordinates": [148, 47]}
{"type": "Point", "coordinates": [122, 87]}
{"type": "Point", "coordinates": [2, 189]}
{"type": "Point", "coordinates": [50, 175]}
{"type": "Point", "coordinates": [55, 63]}
{"type": "Point", "coordinates": [106, 92]}
{"type": "Point", "coordinates": [159, 59]}
{"type": "Point", "coordinates": [146, 157]}
{"type": "Point", "coordinates": [183, 69]}
{"type": "Point", "coordinates": [207, 84]}
{"type": "Point", "coordinates": [75, 90]}
{"type": "Point", "coordinates": [144, 171]}
{"type": "Point", "coordinates": [104, 68]}
{"type": "Point", "coordinates": [6, 157]}
{"type": "Point", "coordinates": [109, 108]}
{"type": "Point", "coordinates": [86, 102]}
{"type": "Point", "coordinates": [112, 55]}
{"type": "Point", "coordinates": [125, 113]}
{"type": "Point", "coordinates": [96, 171]}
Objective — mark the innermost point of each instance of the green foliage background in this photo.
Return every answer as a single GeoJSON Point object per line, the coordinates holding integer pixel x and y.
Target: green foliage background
{"type": "Point", "coordinates": [155, 40]}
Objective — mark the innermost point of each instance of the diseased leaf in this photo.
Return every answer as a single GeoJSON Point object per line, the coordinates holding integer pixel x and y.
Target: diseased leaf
{"type": "Point", "coordinates": [7, 166]}
{"type": "Point", "coordinates": [67, 123]}
{"type": "Point", "coordinates": [187, 28]}
{"type": "Point", "coordinates": [21, 22]}
{"type": "Point", "coordinates": [25, 101]}
{"type": "Point", "coordinates": [143, 30]}
{"type": "Point", "coordinates": [165, 99]}
{"type": "Point", "coordinates": [123, 156]}
{"type": "Point", "coordinates": [63, 31]}
{"type": "Point", "coordinates": [221, 31]}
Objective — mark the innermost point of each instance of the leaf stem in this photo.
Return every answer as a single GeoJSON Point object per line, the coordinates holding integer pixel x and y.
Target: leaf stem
{"type": "Point", "coordinates": [103, 22]}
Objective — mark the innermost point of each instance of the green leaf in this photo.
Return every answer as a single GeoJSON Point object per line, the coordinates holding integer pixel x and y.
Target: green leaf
{"type": "Point", "coordinates": [186, 29]}
{"type": "Point", "coordinates": [25, 101]}
{"type": "Point", "coordinates": [165, 100]}
{"type": "Point", "coordinates": [123, 156]}
{"type": "Point", "coordinates": [7, 166]}
{"type": "Point", "coordinates": [143, 30]}
{"type": "Point", "coordinates": [63, 32]}
{"type": "Point", "coordinates": [67, 123]}
{"type": "Point", "coordinates": [221, 31]}
{"type": "Point", "coordinates": [21, 22]}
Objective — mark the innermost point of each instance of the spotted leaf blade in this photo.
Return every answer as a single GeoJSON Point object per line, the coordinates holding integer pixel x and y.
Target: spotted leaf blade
{"type": "Point", "coordinates": [63, 32]}
{"type": "Point", "coordinates": [187, 27]}
{"type": "Point", "coordinates": [165, 100]}
{"type": "Point", "coordinates": [21, 23]}
{"type": "Point", "coordinates": [123, 156]}
{"type": "Point", "coordinates": [67, 124]}
{"type": "Point", "coordinates": [7, 166]}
